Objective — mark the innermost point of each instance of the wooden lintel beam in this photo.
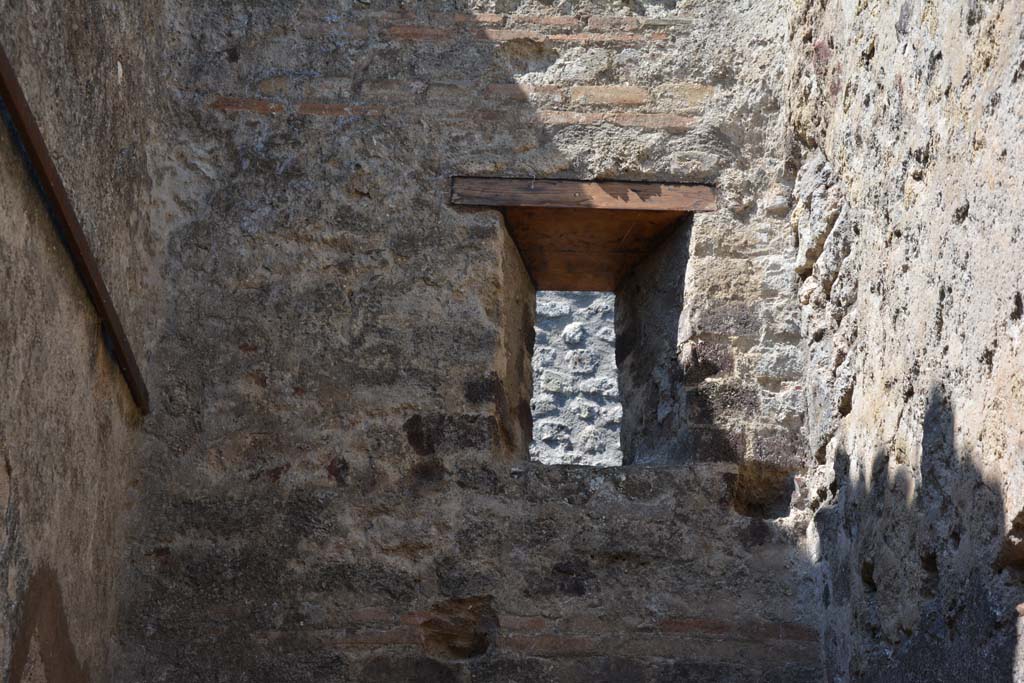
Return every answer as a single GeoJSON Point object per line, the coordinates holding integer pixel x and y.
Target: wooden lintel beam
{"type": "Point", "coordinates": [30, 140]}
{"type": "Point", "coordinates": [579, 194]}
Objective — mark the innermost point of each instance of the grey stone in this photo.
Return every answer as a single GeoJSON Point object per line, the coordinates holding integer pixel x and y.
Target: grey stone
{"type": "Point", "coordinates": [820, 388]}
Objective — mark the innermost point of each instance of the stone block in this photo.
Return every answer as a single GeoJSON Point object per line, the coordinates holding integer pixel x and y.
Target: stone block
{"type": "Point", "coordinates": [715, 444]}
{"type": "Point", "coordinates": [781, 448]}
{"type": "Point", "coordinates": [777, 363]}
{"type": "Point", "coordinates": [715, 402]}
{"type": "Point", "coordinates": [700, 360]}
{"type": "Point", "coordinates": [429, 434]}
{"type": "Point", "coordinates": [722, 319]}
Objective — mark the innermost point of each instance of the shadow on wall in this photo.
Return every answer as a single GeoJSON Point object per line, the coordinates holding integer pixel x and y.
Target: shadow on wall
{"type": "Point", "coordinates": [672, 414]}
{"type": "Point", "coordinates": [916, 585]}
{"type": "Point", "coordinates": [648, 306]}
{"type": "Point", "coordinates": [327, 494]}
{"type": "Point", "coordinates": [43, 649]}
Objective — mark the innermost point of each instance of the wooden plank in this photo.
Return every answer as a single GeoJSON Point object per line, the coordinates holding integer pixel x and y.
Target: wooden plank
{"type": "Point", "coordinates": [579, 194]}
{"type": "Point", "coordinates": [588, 281]}
{"type": "Point", "coordinates": [576, 271]}
{"type": "Point", "coordinates": [588, 229]}
{"type": "Point", "coordinates": [585, 249]}
{"type": "Point", "coordinates": [30, 139]}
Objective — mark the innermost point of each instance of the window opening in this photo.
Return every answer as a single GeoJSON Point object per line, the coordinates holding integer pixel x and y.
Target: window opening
{"type": "Point", "coordinates": [577, 413]}
{"type": "Point", "coordinates": [607, 389]}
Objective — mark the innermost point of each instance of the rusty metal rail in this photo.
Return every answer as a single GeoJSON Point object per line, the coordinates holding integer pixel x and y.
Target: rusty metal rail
{"type": "Point", "coordinates": [27, 137]}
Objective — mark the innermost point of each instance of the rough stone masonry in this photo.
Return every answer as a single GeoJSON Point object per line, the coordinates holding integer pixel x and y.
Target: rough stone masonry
{"type": "Point", "coordinates": [821, 444]}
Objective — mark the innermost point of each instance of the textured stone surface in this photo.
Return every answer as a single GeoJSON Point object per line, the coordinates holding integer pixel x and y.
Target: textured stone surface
{"type": "Point", "coordinates": [576, 408]}
{"type": "Point", "coordinates": [906, 212]}
{"type": "Point", "coordinates": [655, 427]}
{"type": "Point", "coordinates": [573, 588]}
{"type": "Point", "coordinates": [821, 379]}
{"type": "Point", "coordinates": [337, 484]}
{"type": "Point", "coordinates": [69, 432]}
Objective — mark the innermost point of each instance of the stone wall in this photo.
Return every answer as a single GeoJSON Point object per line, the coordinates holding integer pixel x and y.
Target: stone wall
{"type": "Point", "coordinates": [335, 482]}
{"type": "Point", "coordinates": [69, 431]}
{"type": "Point", "coordinates": [656, 429]}
{"type": "Point", "coordinates": [337, 485]}
{"type": "Point", "coordinates": [908, 215]}
{"type": "Point", "coordinates": [576, 407]}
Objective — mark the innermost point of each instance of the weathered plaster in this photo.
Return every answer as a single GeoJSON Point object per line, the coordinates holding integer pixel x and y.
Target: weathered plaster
{"type": "Point", "coordinates": [69, 431]}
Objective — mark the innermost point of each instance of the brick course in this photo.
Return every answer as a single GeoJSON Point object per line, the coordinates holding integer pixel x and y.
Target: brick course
{"type": "Point", "coordinates": [247, 104]}
{"type": "Point", "coordinates": [609, 94]}
{"type": "Point", "coordinates": [341, 265]}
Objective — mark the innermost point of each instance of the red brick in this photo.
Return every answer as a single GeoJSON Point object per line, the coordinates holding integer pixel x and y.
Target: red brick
{"type": "Point", "coordinates": [609, 94]}
{"type": "Point", "coordinates": [371, 638]}
{"type": "Point", "coordinates": [505, 35]}
{"type": "Point", "coordinates": [489, 19]}
{"type": "Point", "coordinates": [502, 35]}
{"type": "Point", "coordinates": [392, 89]}
{"type": "Point", "coordinates": [416, 618]}
{"type": "Point", "coordinates": [353, 32]}
{"type": "Point", "coordinates": [383, 17]}
{"type": "Point", "coordinates": [583, 623]}
{"type": "Point", "coordinates": [550, 90]}
{"type": "Point", "coordinates": [329, 109]}
{"type": "Point", "coordinates": [691, 94]}
{"type": "Point", "coordinates": [667, 122]}
{"type": "Point", "coordinates": [506, 91]}
{"type": "Point", "coordinates": [274, 86]}
{"type": "Point", "coordinates": [713, 648]}
{"type": "Point", "coordinates": [665, 22]}
{"type": "Point", "coordinates": [256, 106]}
{"type": "Point", "coordinates": [606, 23]}
{"type": "Point", "coordinates": [523, 92]}
{"type": "Point", "coordinates": [371, 615]}
{"type": "Point", "coordinates": [692, 625]}
{"type": "Point", "coordinates": [438, 19]}
{"type": "Point", "coordinates": [568, 118]}
{"type": "Point", "coordinates": [552, 645]}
